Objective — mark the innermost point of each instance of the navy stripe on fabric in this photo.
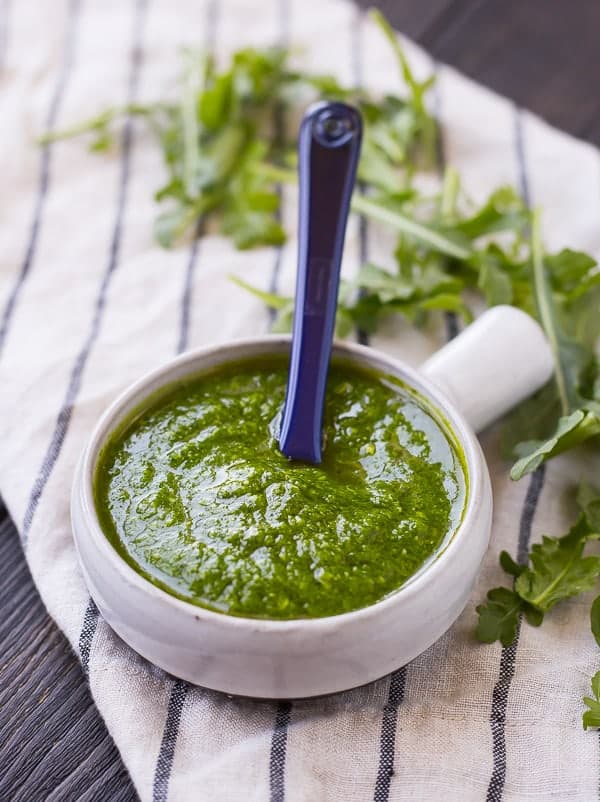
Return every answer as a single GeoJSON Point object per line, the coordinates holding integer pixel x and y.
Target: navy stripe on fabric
{"type": "Point", "coordinates": [395, 694]}
{"type": "Point", "coordinates": [450, 318]}
{"type": "Point", "coordinates": [186, 299]}
{"type": "Point", "coordinates": [519, 140]}
{"type": "Point", "coordinates": [506, 673]}
{"type": "Point", "coordinates": [363, 225]}
{"type": "Point", "coordinates": [86, 636]}
{"type": "Point", "coordinates": [387, 744]}
{"type": "Point", "coordinates": [164, 764]}
{"type": "Point", "coordinates": [278, 752]}
{"type": "Point", "coordinates": [73, 16]}
{"type": "Point", "coordinates": [180, 688]}
{"type": "Point", "coordinates": [188, 287]}
{"type": "Point", "coordinates": [387, 740]}
{"type": "Point", "coordinates": [508, 658]}
{"type": "Point", "coordinates": [277, 756]}
{"type": "Point", "coordinates": [66, 411]}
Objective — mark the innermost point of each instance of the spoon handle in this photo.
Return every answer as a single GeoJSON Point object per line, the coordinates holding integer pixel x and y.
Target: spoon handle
{"type": "Point", "coordinates": [328, 150]}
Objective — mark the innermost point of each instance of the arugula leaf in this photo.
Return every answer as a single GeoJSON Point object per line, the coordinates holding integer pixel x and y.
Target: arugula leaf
{"type": "Point", "coordinates": [270, 299]}
{"type": "Point", "coordinates": [418, 89]}
{"type": "Point", "coordinates": [510, 566]}
{"type": "Point", "coordinates": [588, 500]}
{"type": "Point", "coordinates": [248, 214]}
{"type": "Point", "coordinates": [445, 241]}
{"type": "Point", "coordinates": [223, 154]}
{"type": "Point", "coordinates": [595, 619]}
{"type": "Point", "coordinates": [558, 569]}
{"type": "Point", "coordinates": [563, 350]}
{"type": "Point", "coordinates": [495, 284]}
{"type": "Point", "coordinates": [499, 616]}
{"type": "Point", "coordinates": [533, 420]}
{"type": "Point", "coordinates": [579, 418]}
{"type": "Point", "coordinates": [571, 430]}
{"type": "Point", "coordinates": [567, 269]}
{"type": "Point", "coordinates": [284, 307]}
{"type": "Point", "coordinates": [504, 210]}
{"type": "Point", "coordinates": [591, 717]}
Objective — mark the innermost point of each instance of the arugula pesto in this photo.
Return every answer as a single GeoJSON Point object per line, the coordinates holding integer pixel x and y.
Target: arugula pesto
{"type": "Point", "coordinates": [194, 493]}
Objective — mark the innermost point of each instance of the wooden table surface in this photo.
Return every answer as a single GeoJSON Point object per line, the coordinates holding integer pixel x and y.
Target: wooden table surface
{"type": "Point", "coordinates": [53, 744]}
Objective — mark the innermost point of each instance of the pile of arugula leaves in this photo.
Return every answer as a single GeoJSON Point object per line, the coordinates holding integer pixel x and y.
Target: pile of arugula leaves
{"type": "Point", "coordinates": [226, 151]}
{"type": "Point", "coordinates": [556, 569]}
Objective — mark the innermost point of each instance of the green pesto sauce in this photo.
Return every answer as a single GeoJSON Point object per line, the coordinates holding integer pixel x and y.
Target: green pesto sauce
{"type": "Point", "coordinates": [194, 493]}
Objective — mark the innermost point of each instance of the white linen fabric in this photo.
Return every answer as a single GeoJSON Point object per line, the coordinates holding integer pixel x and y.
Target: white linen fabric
{"type": "Point", "coordinates": [89, 302]}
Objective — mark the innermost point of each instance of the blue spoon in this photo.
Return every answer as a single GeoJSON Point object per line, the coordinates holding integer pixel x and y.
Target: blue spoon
{"type": "Point", "coordinates": [328, 150]}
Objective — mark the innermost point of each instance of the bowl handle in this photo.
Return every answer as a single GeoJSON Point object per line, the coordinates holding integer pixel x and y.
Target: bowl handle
{"type": "Point", "coordinates": [496, 362]}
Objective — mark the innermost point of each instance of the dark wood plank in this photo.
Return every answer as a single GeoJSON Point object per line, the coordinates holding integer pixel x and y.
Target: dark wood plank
{"type": "Point", "coordinates": [413, 17]}
{"type": "Point", "coordinates": [53, 743]}
{"type": "Point", "coordinates": [542, 53]}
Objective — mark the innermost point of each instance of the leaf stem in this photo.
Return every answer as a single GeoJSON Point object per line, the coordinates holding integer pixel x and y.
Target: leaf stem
{"type": "Point", "coordinates": [450, 189]}
{"type": "Point", "coordinates": [390, 35]}
{"type": "Point", "coordinates": [545, 308]}
{"type": "Point", "coordinates": [189, 121]}
{"type": "Point", "coordinates": [376, 210]}
{"type": "Point", "coordinates": [537, 602]}
{"type": "Point", "coordinates": [95, 123]}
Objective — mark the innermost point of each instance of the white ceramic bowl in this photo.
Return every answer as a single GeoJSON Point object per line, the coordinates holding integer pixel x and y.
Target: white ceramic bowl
{"type": "Point", "coordinates": [309, 657]}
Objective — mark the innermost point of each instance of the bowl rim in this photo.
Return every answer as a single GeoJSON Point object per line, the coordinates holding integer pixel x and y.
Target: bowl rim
{"type": "Point", "coordinates": [143, 387]}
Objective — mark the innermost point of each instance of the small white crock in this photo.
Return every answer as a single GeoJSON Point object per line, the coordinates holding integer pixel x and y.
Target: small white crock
{"type": "Point", "coordinates": [495, 363]}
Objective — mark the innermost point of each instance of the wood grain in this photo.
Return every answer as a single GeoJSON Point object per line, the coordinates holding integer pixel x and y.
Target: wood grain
{"type": "Point", "coordinates": [53, 743]}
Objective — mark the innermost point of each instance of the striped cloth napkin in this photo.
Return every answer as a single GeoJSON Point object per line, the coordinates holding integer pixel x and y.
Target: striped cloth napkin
{"type": "Point", "coordinates": [89, 302]}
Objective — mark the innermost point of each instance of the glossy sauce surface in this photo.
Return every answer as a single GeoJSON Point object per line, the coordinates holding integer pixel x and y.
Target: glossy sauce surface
{"type": "Point", "coordinates": [195, 494]}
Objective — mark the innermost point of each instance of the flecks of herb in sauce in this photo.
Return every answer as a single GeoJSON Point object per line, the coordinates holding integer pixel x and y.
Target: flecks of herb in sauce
{"type": "Point", "coordinates": [196, 495]}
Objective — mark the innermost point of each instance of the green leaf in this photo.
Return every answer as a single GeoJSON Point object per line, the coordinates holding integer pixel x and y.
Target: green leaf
{"type": "Point", "coordinates": [284, 306]}
{"type": "Point", "coordinates": [591, 717]}
{"type": "Point", "coordinates": [533, 420]}
{"type": "Point", "coordinates": [534, 616]}
{"type": "Point", "coordinates": [445, 241]}
{"type": "Point", "coordinates": [376, 169]}
{"type": "Point", "coordinates": [568, 268]}
{"type": "Point", "coordinates": [595, 620]}
{"type": "Point", "coordinates": [578, 418]}
{"type": "Point", "coordinates": [386, 286]}
{"type": "Point", "coordinates": [169, 226]}
{"type": "Point", "coordinates": [571, 431]}
{"type": "Point", "coordinates": [249, 229]}
{"type": "Point", "coordinates": [215, 103]}
{"type": "Point", "coordinates": [596, 685]}
{"type": "Point", "coordinates": [446, 302]}
{"type": "Point", "coordinates": [565, 351]}
{"type": "Point", "coordinates": [495, 285]}
{"type": "Point", "coordinates": [579, 317]}
{"type": "Point", "coordinates": [499, 617]}
{"type": "Point", "coordinates": [270, 299]}
{"type": "Point", "coordinates": [103, 142]}
{"type": "Point", "coordinates": [558, 569]}
{"type": "Point", "coordinates": [414, 85]}
{"type": "Point", "coordinates": [504, 210]}
{"type": "Point", "coordinates": [588, 499]}
{"type": "Point", "coordinates": [510, 566]}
